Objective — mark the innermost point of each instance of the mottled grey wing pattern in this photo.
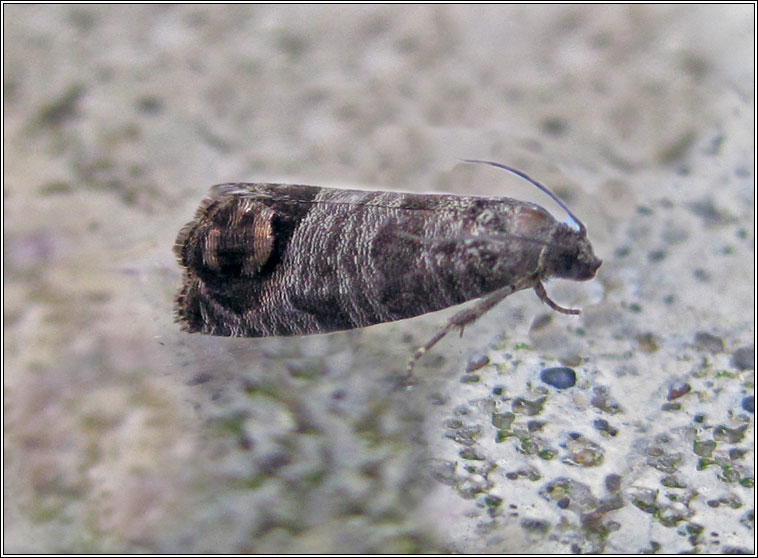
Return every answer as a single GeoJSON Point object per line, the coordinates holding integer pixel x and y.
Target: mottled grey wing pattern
{"type": "Point", "coordinates": [280, 259]}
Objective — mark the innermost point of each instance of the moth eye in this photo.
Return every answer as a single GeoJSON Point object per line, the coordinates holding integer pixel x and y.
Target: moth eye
{"type": "Point", "coordinates": [576, 265]}
{"type": "Point", "coordinates": [565, 265]}
{"type": "Point", "coordinates": [568, 266]}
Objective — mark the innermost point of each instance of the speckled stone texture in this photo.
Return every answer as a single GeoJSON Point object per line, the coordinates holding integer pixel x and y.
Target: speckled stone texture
{"type": "Point", "coordinates": [123, 434]}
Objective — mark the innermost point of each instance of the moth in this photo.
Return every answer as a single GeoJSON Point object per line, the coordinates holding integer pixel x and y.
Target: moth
{"type": "Point", "coordinates": [283, 259]}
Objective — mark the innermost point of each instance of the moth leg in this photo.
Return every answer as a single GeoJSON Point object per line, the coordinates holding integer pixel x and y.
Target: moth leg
{"type": "Point", "coordinates": [460, 320]}
{"type": "Point", "coordinates": [542, 293]}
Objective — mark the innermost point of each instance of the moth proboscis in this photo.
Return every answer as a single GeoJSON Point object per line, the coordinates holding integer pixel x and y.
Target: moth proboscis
{"type": "Point", "coordinates": [285, 259]}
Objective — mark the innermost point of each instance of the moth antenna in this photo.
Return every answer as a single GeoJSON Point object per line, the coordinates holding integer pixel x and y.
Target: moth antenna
{"type": "Point", "coordinates": [582, 228]}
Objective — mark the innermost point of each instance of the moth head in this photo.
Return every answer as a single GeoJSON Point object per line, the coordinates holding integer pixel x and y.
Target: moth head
{"type": "Point", "coordinates": [570, 255]}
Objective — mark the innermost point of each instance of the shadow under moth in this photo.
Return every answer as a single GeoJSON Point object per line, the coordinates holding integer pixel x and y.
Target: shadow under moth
{"type": "Point", "coordinates": [284, 259]}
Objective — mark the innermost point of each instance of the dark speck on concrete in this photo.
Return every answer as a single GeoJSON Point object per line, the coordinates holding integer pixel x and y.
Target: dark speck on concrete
{"type": "Point", "coordinates": [150, 104]}
{"type": "Point", "coordinates": [701, 274]}
{"type": "Point", "coordinates": [63, 108]}
{"type": "Point", "coordinates": [622, 252]}
{"type": "Point", "coordinates": [535, 425]}
{"type": "Point", "coordinates": [554, 126]}
{"type": "Point", "coordinates": [656, 255]}
{"type": "Point", "coordinates": [535, 525]}
{"type": "Point", "coordinates": [541, 321]}
{"type": "Point", "coordinates": [736, 550]}
{"type": "Point", "coordinates": [200, 379]}
{"type": "Point", "coordinates": [708, 211]}
{"type": "Point", "coordinates": [604, 426]}
{"type": "Point", "coordinates": [648, 342]}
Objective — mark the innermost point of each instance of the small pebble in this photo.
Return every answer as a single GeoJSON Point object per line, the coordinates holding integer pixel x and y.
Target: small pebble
{"type": "Point", "coordinates": [748, 403]}
{"type": "Point", "coordinates": [709, 342]}
{"type": "Point", "coordinates": [613, 482]}
{"type": "Point", "coordinates": [559, 377]}
{"type": "Point", "coordinates": [737, 453]}
{"type": "Point", "coordinates": [603, 401]}
{"type": "Point", "coordinates": [734, 435]}
{"type": "Point", "coordinates": [503, 421]}
{"type": "Point", "coordinates": [678, 389]}
{"type": "Point", "coordinates": [744, 358]}
{"type": "Point", "coordinates": [526, 407]}
{"type": "Point", "coordinates": [477, 363]}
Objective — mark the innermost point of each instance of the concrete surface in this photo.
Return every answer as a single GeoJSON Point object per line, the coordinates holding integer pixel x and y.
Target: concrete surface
{"type": "Point", "coordinates": [121, 434]}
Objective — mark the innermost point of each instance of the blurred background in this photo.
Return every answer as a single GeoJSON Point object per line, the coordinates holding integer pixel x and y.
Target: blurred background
{"type": "Point", "coordinates": [122, 434]}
